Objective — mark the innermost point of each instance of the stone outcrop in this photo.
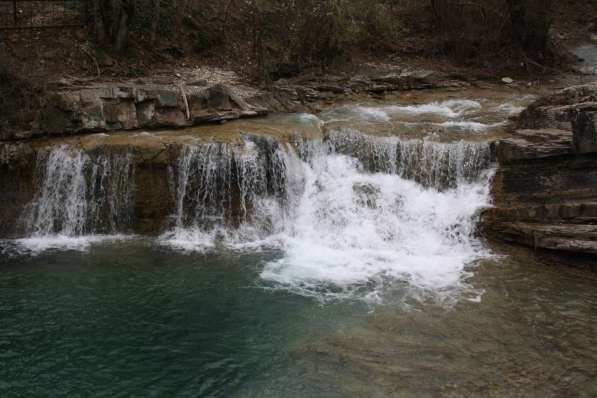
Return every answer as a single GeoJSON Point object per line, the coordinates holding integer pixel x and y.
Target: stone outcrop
{"type": "Point", "coordinates": [545, 189]}
{"type": "Point", "coordinates": [129, 106]}
{"type": "Point", "coordinates": [17, 172]}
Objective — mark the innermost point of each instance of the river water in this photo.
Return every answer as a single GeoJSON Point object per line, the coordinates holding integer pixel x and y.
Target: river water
{"type": "Point", "coordinates": [344, 266]}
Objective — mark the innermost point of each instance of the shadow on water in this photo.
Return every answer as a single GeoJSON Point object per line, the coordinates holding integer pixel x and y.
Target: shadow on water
{"type": "Point", "coordinates": [128, 319]}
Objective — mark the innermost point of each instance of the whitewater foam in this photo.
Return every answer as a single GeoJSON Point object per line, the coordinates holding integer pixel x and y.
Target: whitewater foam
{"type": "Point", "coordinates": [449, 109]}
{"type": "Point", "coordinates": [469, 126]}
{"type": "Point", "coordinates": [344, 229]}
{"type": "Point", "coordinates": [357, 230]}
{"type": "Point", "coordinates": [39, 244]}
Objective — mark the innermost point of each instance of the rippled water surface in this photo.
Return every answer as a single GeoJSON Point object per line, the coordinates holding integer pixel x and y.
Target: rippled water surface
{"type": "Point", "coordinates": [136, 319]}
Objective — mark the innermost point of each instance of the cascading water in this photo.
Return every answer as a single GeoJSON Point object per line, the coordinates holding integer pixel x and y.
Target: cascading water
{"type": "Point", "coordinates": [233, 192]}
{"type": "Point", "coordinates": [410, 219]}
{"type": "Point", "coordinates": [349, 213]}
{"type": "Point", "coordinates": [80, 195]}
{"type": "Point", "coordinates": [432, 164]}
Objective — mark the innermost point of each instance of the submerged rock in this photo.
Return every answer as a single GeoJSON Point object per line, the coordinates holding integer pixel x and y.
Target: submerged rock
{"type": "Point", "coordinates": [366, 195]}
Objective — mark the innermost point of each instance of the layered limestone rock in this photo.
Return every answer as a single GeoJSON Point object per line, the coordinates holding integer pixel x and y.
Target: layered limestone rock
{"type": "Point", "coordinates": [545, 189]}
{"type": "Point", "coordinates": [113, 107]}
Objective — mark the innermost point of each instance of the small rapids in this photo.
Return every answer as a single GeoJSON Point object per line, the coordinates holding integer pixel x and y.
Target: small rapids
{"type": "Point", "coordinates": [447, 109]}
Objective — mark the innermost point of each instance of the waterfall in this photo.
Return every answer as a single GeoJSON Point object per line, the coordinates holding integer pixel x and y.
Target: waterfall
{"type": "Point", "coordinates": [431, 164]}
{"type": "Point", "coordinates": [81, 194]}
{"type": "Point", "coordinates": [348, 212]}
{"type": "Point", "coordinates": [355, 231]}
{"type": "Point", "coordinates": [238, 191]}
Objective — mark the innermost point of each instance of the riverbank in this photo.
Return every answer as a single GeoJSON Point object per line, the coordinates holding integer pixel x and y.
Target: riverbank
{"type": "Point", "coordinates": [189, 97]}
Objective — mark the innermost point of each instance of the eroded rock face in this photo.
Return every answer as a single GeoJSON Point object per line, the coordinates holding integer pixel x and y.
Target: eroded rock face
{"type": "Point", "coordinates": [545, 190]}
{"type": "Point", "coordinates": [584, 124]}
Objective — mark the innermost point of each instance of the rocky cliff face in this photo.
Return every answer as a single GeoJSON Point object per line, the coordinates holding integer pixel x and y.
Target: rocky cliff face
{"type": "Point", "coordinates": [545, 189]}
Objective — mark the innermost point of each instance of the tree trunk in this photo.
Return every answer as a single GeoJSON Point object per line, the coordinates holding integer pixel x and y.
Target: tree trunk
{"type": "Point", "coordinates": [112, 19]}
{"type": "Point", "coordinates": [156, 20]}
{"type": "Point", "coordinates": [98, 20]}
{"type": "Point", "coordinates": [122, 33]}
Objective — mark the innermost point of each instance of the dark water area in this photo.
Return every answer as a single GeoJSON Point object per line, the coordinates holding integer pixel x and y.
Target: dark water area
{"type": "Point", "coordinates": [132, 318]}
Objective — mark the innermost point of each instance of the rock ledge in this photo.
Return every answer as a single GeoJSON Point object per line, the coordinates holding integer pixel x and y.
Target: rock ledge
{"type": "Point", "coordinates": [545, 189]}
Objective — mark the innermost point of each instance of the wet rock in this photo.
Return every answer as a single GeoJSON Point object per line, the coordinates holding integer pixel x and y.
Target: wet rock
{"type": "Point", "coordinates": [17, 177]}
{"type": "Point", "coordinates": [577, 238]}
{"type": "Point", "coordinates": [557, 111]}
{"type": "Point", "coordinates": [336, 89]}
{"type": "Point", "coordinates": [534, 144]}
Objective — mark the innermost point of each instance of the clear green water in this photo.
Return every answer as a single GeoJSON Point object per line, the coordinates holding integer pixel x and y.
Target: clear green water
{"type": "Point", "coordinates": [135, 319]}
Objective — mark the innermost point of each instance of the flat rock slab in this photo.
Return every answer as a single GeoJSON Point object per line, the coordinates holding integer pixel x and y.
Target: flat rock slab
{"type": "Point", "coordinates": [576, 238]}
{"type": "Point", "coordinates": [535, 144]}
